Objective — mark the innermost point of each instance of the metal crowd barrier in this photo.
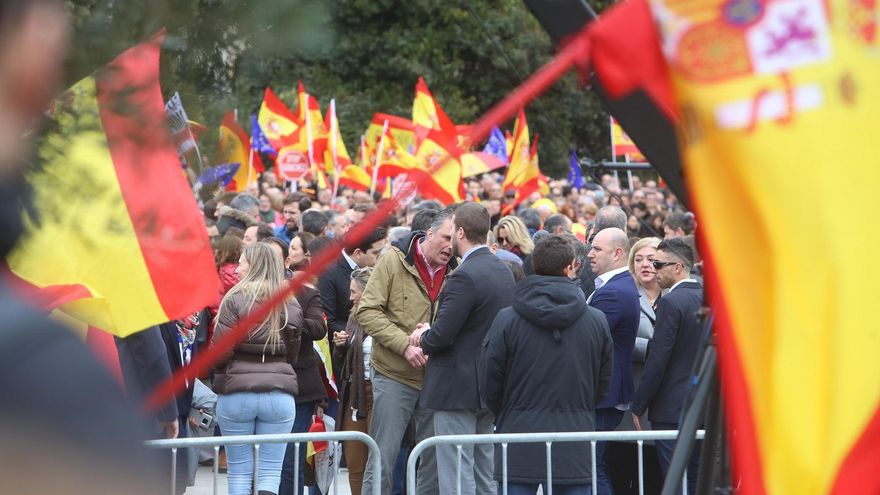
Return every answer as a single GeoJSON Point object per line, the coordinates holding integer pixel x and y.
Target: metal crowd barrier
{"type": "Point", "coordinates": [257, 440]}
{"type": "Point", "coordinates": [547, 438]}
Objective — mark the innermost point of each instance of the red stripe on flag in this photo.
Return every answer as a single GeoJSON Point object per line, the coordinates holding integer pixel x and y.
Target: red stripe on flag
{"type": "Point", "coordinates": [45, 298]}
{"type": "Point", "coordinates": [859, 473]}
{"type": "Point", "coordinates": [153, 187]}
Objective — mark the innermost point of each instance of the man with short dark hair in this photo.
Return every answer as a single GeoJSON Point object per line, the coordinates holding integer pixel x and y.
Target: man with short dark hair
{"type": "Point", "coordinates": [678, 225]}
{"type": "Point", "coordinates": [671, 352]}
{"type": "Point", "coordinates": [402, 293]}
{"type": "Point", "coordinates": [546, 363]}
{"type": "Point", "coordinates": [617, 297]}
{"type": "Point", "coordinates": [558, 224]}
{"type": "Point", "coordinates": [313, 222]}
{"type": "Point", "coordinates": [257, 233]}
{"type": "Point", "coordinates": [471, 298]}
{"type": "Point", "coordinates": [293, 205]}
{"type": "Point", "coordinates": [334, 284]}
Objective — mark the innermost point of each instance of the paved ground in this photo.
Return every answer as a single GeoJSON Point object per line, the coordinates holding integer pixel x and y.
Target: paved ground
{"type": "Point", "coordinates": [205, 483]}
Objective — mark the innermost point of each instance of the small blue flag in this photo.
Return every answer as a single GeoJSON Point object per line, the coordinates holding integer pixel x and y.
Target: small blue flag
{"type": "Point", "coordinates": [259, 142]}
{"type": "Point", "coordinates": [223, 173]}
{"type": "Point", "coordinates": [497, 145]}
{"type": "Point", "coordinates": [575, 176]}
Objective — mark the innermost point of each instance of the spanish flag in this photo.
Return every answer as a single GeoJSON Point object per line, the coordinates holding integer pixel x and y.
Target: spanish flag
{"type": "Point", "coordinates": [427, 113]}
{"type": "Point", "coordinates": [278, 123]}
{"type": "Point", "coordinates": [356, 178]}
{"type": "Point", "coordinates": [523, 174]}
{"type": "Point", "coordinates": [778, 106]}
{"type": "Point", "coordinates": [119, 242]}
{"type": "Point", "coordinates": [394, 160]}
{"type": "Point", "coordinates": [234, 147]}
{"type": "Point", "coordinates": [315, 134]}
{"type": "Point", "coordinates": [403, 130]}
{"type": "Point", "coordinates": [336, 156]}
{"type": "Point", "coordinates": [438, 172]}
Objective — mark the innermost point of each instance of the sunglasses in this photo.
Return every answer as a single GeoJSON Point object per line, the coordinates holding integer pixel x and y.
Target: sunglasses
{"type": "Point", "coordinates": [660, 264]}
{"type": "Point", "coordinates": [502, 240]}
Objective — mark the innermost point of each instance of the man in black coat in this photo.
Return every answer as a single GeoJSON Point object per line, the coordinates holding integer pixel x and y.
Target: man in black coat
{"type": "Point", "coordinates": [470, 300]}
{"type": "Point", "coordinates": [677, 334]}
{"type": "Point", "coordinates": [546, 363]}
{"type": "Point", "coordinates": [334, 285]}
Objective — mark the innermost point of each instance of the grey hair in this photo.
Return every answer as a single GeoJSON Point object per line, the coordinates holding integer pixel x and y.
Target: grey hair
{"type": "Point", "coordinates": [244, 202]}
{"type": "Point", "coordinates": [610, 216]}
{"type": "Point", "coordinates": [441, 217]}
{"type": "Point", "coordinates": [397, 233]}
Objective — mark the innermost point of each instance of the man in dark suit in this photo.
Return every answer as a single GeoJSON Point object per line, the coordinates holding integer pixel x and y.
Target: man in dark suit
{"type": "Point", "coordinates": [677, 333]}
{"type": "Point", "coordinates": [470, 300]}
{"type": "Point", "coordinates": [617, 297]}
{"type": "Point", "coordinates": [606, 218]}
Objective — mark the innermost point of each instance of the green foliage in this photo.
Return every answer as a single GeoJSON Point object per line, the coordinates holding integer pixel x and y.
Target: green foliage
{"type": "Point", "coordinates": [368, 54]}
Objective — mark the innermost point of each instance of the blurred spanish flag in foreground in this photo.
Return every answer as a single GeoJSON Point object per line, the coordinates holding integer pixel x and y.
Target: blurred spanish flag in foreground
{"type": "Point", "coordinates": [778, 105]}
{"type": "Point", "coordinates": [118, 242]}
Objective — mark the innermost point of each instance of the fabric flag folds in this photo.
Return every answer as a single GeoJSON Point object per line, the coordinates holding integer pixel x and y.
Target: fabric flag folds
{"type": "Point", "coordinates": [523, 175]}
{"type": "Point", "coordinates": [278, 123]}
{"type": "Point", "coordinates": [336, 156]}
{"type": "Point", "coordinates": [438, 176]}
{"type": "Point", "coordinates": [427, 113]}
{"type": "Point", "coordinates": [762, 97]}
{"type": "Point", "coordinates": [234, 147]}
{"type": "Point", "coordinates": [118, 243]}
{"type": "Point", "coordinates": [355, 177]}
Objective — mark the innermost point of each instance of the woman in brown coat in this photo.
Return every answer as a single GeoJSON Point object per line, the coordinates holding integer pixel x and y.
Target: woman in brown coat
{"type": "Point", "coordinates": [254, 381]}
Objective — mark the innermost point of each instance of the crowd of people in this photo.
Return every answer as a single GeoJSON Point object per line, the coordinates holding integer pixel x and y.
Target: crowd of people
{"type": "Point", "coordinates": [577, 311]}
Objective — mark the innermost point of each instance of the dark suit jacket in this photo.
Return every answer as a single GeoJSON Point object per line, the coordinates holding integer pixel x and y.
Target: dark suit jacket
{"type": "Point", "coordinates": [144, 362]}
{"type": "Point", "coordinates": [619, 300]}
{"type": "Point", "coordinates": [472, 297]}
{"type": "Point", "coordinates": [333, 287]}
{"type": "Point", "coordinates": [671, 353]}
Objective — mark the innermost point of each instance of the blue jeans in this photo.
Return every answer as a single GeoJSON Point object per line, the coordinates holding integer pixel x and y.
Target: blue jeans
{"type": "Point", "coordinates": [532, 489]}
{"type": "Point", "coordinates": [664, 455]}
{"type": "Point", "coordinates": [255, 413]}
{"type": "Point", "coordinates": [304, 412]}
{"type": "Point", "coordinates": [607, 419]}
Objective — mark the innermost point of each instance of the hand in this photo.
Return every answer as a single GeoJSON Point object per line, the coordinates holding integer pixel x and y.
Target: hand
{"type": "Point", "coordinates": [637, 422]}
{"type": "Point", "coordinates": [193, 422]}
{"type": "Point", "coordinates": [414, 356]}
{"type": "Point", "coordinates": [340, 338]}
{"type": "Point", "coordinates": [171, 429]}
{"type": "Point", "coordinates": [415, 338]}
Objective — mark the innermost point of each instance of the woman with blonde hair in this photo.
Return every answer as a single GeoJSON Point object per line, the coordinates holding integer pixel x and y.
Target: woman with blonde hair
{"type": "Point", "coordinates": [254, 381]}
{"type": "Point", "coordinates": [513, 236]}
{"type": "Point", "coordinates": [353, 349]}
{"type": "Point", "coordinates": [640, 258]}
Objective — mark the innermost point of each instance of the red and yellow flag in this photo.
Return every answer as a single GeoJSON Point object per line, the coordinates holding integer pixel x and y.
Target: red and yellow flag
{"type": "Point", "coordinates": [623, 145]}
{"type": "Point", "coordinates": [234, 146]}
{"type": "Point", "coordinates": [766, 96]}
{"type": "Point", "coordinates": [278, 123]}
{"type": "Point", "coordinates": [394, 160]}
{"type": "Point", "coordinates": [437, 176]}
{"type": "Point", "coordinates": [523, 174]}
{"type": "Point", "coordinates": [356, 178]}
{"type": "Point", "coordinates": [402, 129]}
{"type": "Point", "coordinates": [427, 113]}
{"type": "Point", "coordinates": [336, 156]}
{"type": "Point", "coordinates": [120, 244]}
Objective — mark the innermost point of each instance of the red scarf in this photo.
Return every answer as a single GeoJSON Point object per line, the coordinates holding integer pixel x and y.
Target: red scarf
{"type": "Point", "coordinates": [433, 284]}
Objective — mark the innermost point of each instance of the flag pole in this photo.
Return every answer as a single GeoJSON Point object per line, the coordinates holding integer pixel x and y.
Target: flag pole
{"type": "Point", "coordinates": [379, 152]}
{"type": "Point", "coordinates": [250, 167]}
{"type": "Point", "coordinates": [334, 152]}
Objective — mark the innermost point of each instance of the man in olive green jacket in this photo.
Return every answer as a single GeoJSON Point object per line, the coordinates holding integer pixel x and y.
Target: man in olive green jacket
{"type": "Point", "coordinates": [402, 292]}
